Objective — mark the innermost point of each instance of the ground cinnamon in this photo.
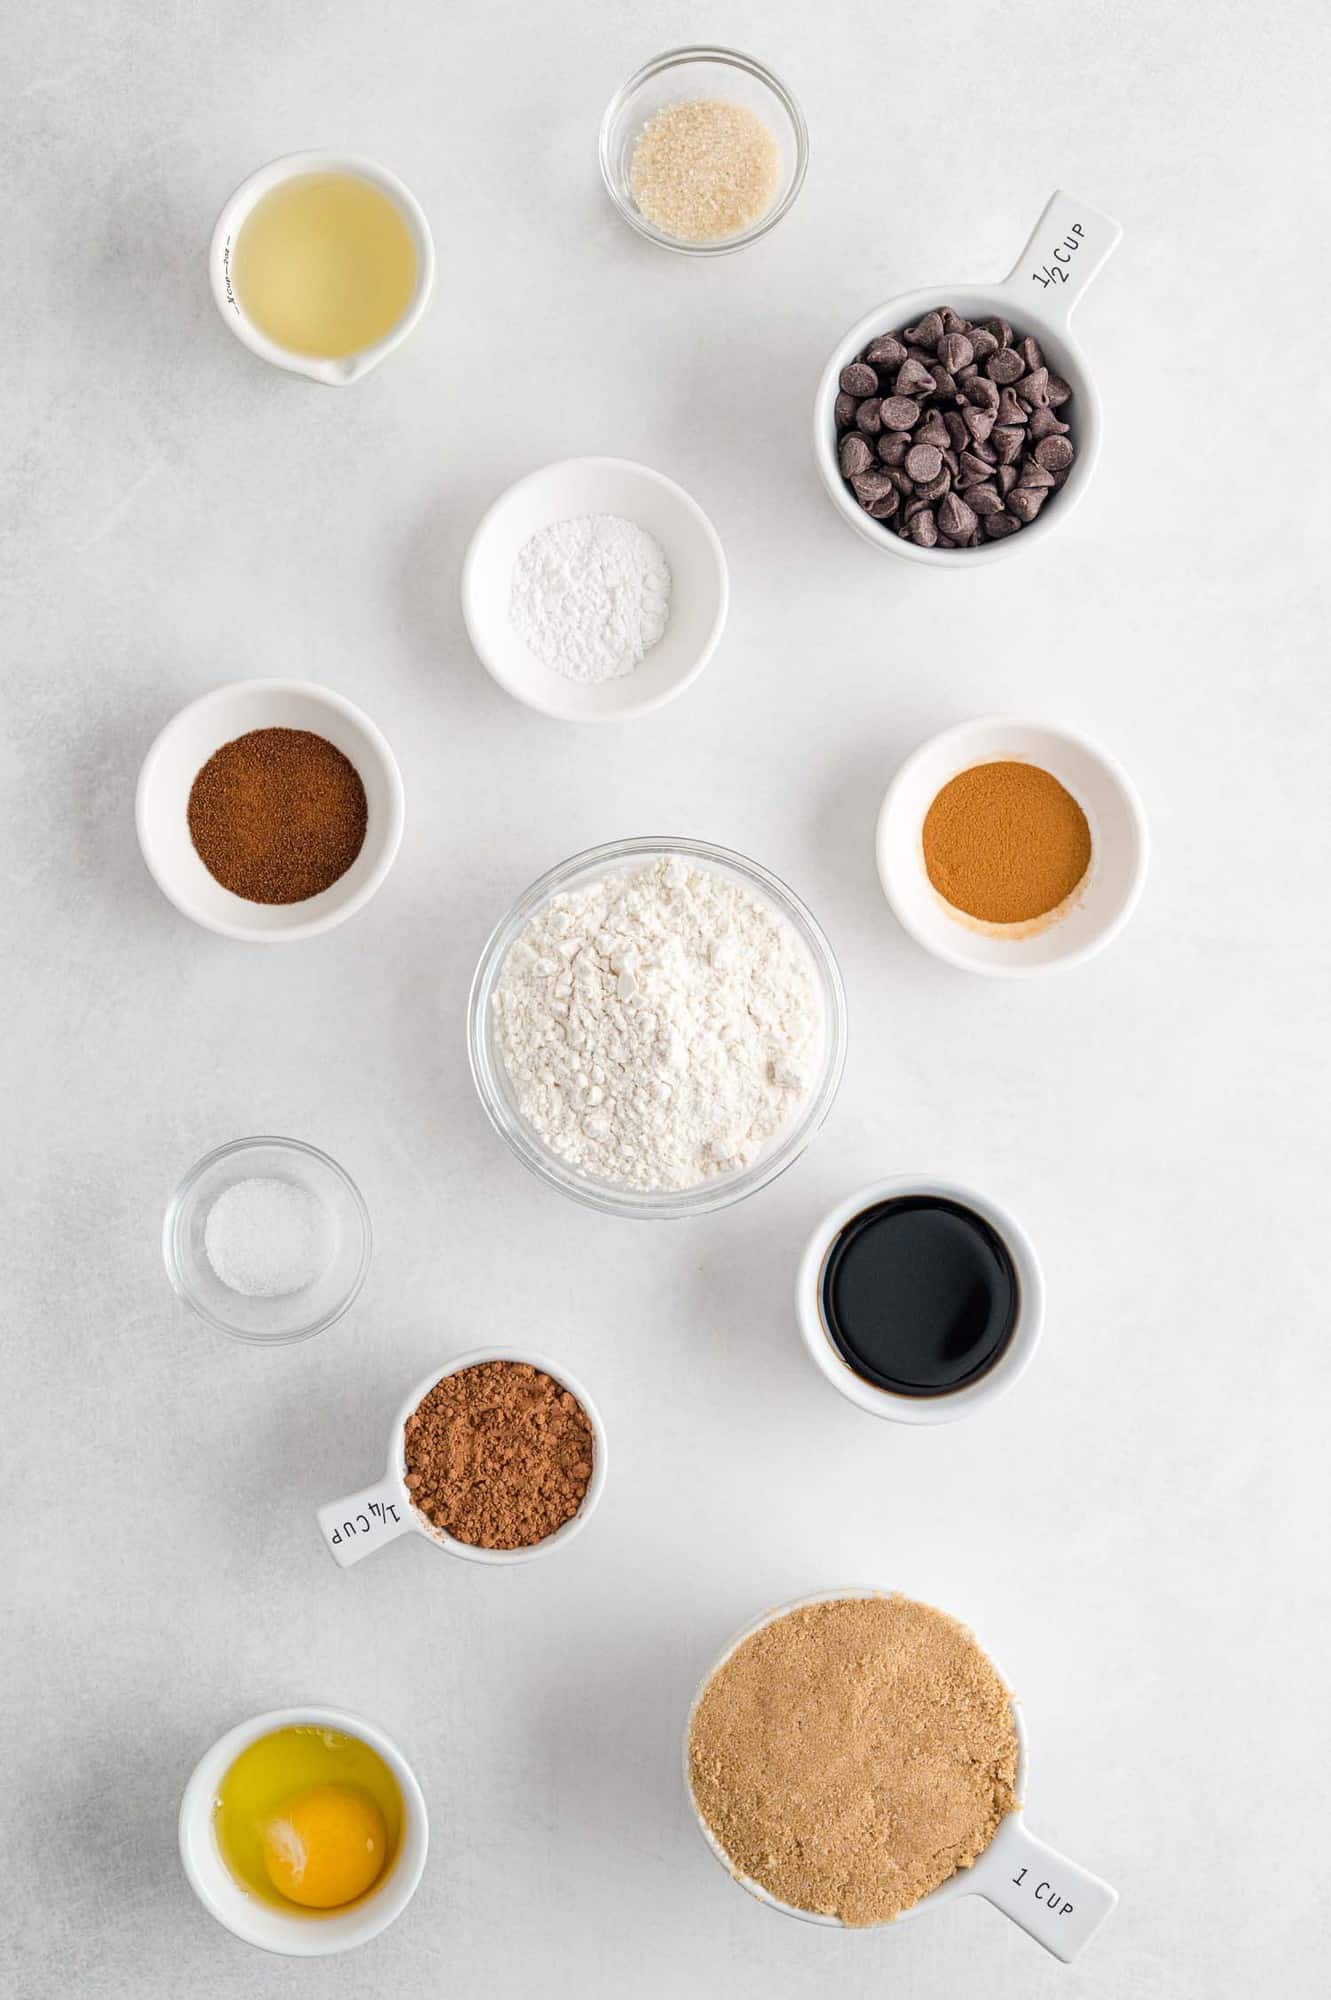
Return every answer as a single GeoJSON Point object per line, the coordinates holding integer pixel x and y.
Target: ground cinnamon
{"type": "Point", "coordinates": [499, 1455]}
{"type": "Point", "coordinates": [277, 815]}
{"type": "Point", "coordinates": [1006, 843]}
{"type": "Point", "coordinates": [852, 1755]}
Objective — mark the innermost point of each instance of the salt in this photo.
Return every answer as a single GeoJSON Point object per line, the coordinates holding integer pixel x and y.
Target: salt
{"type": "Point", "coordinates": [267, 1238]}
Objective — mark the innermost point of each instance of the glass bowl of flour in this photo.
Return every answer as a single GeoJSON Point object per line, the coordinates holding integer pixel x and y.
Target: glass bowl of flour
{"type": "Point", "coordinates": [657, 1027]}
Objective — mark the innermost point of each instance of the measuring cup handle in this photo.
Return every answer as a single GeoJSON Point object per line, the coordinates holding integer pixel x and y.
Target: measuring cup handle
{"type": "Point", "coordinates": [1057, 1903]}
{"type": "Point", "coordinates": [362, 1522]}
{"type": "Point", "coordinates": [1067, 247]}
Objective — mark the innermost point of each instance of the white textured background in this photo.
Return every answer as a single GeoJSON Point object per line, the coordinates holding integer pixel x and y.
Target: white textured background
{"type": "Point", "coordinates": [1139, 1532]}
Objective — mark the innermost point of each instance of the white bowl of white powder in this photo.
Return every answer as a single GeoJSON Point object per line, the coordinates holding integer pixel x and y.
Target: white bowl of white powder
{"type": "Point", "coordinates": [595, 590]}
{"type": "Point", "coordinates": [657, 1027]}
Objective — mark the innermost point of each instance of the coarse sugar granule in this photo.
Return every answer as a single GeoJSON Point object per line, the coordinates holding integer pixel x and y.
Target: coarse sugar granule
{"type": "Point", "coordinates": [851, 1755]}
{"type": "Point", "coordinates": [705, 170]}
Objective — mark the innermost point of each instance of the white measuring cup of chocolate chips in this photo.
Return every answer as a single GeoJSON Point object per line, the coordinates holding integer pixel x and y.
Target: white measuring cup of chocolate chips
{"type": "Point", "coordinates": [1066, 250]}
{"type": "Point", "coordinates": [1054, 1900]}
{"type": "Point", "coordinates": [359, 1523]}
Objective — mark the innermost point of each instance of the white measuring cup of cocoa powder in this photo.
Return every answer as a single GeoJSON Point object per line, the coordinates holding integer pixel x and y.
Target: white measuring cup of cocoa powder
{"type": "Point", "coordinates": [1065, 251]}
{"type": "Point", "coordinates": [359, 1523]}
{"type": "Point", "coordinates": [1054, 1900]}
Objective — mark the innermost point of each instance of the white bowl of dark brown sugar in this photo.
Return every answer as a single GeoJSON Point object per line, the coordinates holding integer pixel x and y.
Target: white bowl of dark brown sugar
{"type": "Point", "coordinates": [956, 424]}
{"type": "Point", "coordinates": [920, 1300]}
{"type": "Point", "coordinates": [269, 810]}
{"type": "Point", "coordinates": [498, 1456]}
{"type": "Point", "coordinates": [595, 590]}
{"type": "Point", "coordinates": [1010, 847]}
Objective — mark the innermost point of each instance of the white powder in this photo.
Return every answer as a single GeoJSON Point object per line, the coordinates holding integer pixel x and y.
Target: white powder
{"type": "Point", "coordinates": [591, 596]}
{"type": "Point", "coordinates": [267, 1238]}
{"type": "Point", "coordinates": [659, 1027]}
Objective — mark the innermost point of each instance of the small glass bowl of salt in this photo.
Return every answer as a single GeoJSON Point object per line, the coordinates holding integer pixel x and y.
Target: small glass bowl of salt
{"type": "Point", "coordinates": [267, 1239]}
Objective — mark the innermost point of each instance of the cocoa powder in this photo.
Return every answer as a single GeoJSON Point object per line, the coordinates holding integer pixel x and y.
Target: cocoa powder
{"type": "Point", "coordinates": [499, 1455]}
{"type": "Point", "coordinates": [277, 815]}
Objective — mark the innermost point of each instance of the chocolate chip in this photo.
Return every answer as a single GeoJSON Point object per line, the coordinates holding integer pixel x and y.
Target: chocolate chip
{"type": "Point", "coordinates": [913, 380]}
{"type": "Point", "coordinates": [924, 462]}
{"type": "Point", "coordinates": [871, 486]}
{"type": "Point", "coordinates": [1045, 424]}
{"type": "Point", "coordinates": [956, 519]}
{"type": "Point", "coordinates": [900, 413]}
{"type": "Point", "coordinates": [885, 352]}
{"type": "Point", "coordinates": [955, 351]}
{"type": "Point", "coordinates": [859, 380]}
{"type": "Point", "coordinates": [1054, 453]}
{"type": "Point", "coordinates": [1004, 366]}
{"type": "Point", "coordinates": [1025, 502]}
{"type": "Point", "coordinates": [928, 331]}
{"type": "Point", "coordinates": [854, 456]}
{"type": "Point", "coordinates": [965, 447]}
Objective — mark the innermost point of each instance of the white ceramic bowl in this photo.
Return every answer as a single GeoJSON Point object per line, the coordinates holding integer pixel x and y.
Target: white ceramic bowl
{"type": "Point", "coordinates": [347, 368]}
{"type": "Point", "coordinates": [1095, 914]}
{"type": "Point", "coordinates": [1010, 1365]}
{"type": "Point", "coordinates": [685, 75]}
{"type": "Point", "coordinates": [699, 586]}
{"type": "Point", "coordinates": [184, 747]}
{"type": "Point", "coordinates": [1037, 297]}
{"type": "Point", "coordinates": [490, 1073]}
{"type": "Point", "coordinates": [1020, 1875]}
{"type": "Point", "coordinates": [289, 1933]}
{"type": "Point", "coordinates": [359, 1523]}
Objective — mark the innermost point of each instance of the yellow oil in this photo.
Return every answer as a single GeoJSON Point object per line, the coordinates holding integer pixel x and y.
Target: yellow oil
{"type": "Point", "coordinates": [285, 1774]}
{"type": "Point", "coordinates": [324, 265]}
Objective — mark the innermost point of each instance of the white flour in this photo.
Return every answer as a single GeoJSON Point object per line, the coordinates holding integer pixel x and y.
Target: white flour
{"type": "Point", "coordinates": [591, 596]}
{"type": "Point", "coordinates": [659, 1027]}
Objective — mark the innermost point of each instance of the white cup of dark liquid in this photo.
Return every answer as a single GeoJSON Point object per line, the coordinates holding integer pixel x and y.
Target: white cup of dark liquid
{"type": "Point", "coordinates": [891, 1339]}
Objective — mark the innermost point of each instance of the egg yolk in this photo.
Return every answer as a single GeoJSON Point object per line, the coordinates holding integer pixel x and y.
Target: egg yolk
{"type": "Point", "coordinates": [326, 1846]}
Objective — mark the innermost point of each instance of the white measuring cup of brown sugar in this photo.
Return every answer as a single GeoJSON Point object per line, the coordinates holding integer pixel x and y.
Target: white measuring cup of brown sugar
{"type": "Point", "coordinates": [1067, 248]}
{"type": "Point", "coordinates": [359, 1523]}
{"type": "Point", "coordinates": [1054, 1900]}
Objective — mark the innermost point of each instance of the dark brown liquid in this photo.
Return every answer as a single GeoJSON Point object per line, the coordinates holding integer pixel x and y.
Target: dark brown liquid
{"type": "Point", "coordinates": [919, 1295]}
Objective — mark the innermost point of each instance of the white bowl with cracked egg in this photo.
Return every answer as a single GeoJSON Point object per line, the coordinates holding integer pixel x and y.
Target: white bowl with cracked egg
{"type": "Point", "coordinates": [495, 1088]}
{"type": "Point", "coordinates": [699, 586]}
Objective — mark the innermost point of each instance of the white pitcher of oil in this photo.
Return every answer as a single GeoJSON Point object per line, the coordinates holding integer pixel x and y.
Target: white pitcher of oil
{"type": "Point", "coordinates": [322, 263]}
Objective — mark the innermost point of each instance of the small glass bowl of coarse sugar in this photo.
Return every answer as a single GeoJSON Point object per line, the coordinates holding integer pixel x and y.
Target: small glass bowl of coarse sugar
{"type": "Point", "coordinates": [703, 150]}
{"type": "Point", "coordinates": [268, 1240]}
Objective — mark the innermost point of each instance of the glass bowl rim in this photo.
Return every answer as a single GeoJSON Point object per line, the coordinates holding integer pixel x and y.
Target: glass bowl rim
{"type": "Point", "coordinates": [669, 1203]}
{"type": "Point", "coordinates": [186, 1186]}
{"type": "Point", "coordinates": [675, 59]}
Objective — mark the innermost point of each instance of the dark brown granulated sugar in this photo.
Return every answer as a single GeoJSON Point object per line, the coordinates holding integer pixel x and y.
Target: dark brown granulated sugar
{"type": "Point", "coordinates": [499, 1455]}
{"type": "Point", "coordinates": [277, 815]}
